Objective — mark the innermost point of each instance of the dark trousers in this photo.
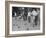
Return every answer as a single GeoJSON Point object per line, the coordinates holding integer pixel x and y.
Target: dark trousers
{"type": "Point", "coordinates": [24, 17]}
{"type": "Point", "coordinates": [29, 19]}
{"type": "Point", "coordinates": [36, 19]}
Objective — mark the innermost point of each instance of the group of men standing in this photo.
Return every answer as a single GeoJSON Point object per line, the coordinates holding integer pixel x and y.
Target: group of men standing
{"type": "Point", "coordinates": [31, 16]}
{"type": "Point", "coordinates": [35, 16]}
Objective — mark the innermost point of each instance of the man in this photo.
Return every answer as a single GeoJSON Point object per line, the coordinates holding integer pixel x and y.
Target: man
{"type": "Point", "coordinates": [25, 14]}
{"type": "Point", "coordinates": [29, 14]}
{"type": "Point", "coordinates": [15, 15]}
{"type": "Point", "coordinates": [35, 15]}
{"type": "Point", "coordinates": [38, 11]}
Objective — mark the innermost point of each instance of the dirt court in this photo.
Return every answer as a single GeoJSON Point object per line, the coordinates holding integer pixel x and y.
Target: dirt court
{"type": "Point", "coordinates": [20, 25]}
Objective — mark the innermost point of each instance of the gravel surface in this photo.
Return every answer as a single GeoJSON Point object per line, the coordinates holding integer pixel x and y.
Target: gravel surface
{"type": "Point", "coordinates": [21, 25]}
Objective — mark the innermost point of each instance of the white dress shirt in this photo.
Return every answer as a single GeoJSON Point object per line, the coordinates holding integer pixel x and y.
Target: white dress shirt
{"type": "Point", "coordinates": [34, 13]}
{"type": "Point", "coordinates": [15, 14]}
{"type": "Point", "coordinates": [29, 13]}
